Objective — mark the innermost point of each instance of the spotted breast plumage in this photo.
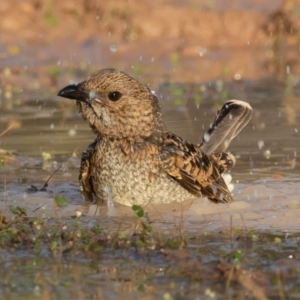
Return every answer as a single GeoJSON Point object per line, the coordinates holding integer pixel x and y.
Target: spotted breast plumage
{"type": "Point", "coordinates": [135, 159]}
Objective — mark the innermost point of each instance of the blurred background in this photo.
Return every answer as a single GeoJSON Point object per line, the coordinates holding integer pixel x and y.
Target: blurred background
{"type": "Point", "coordinates": [195, 54]}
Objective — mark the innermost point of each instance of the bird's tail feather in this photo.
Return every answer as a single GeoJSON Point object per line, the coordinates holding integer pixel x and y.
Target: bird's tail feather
{"type": "Point", "coordinates": [230, 120]}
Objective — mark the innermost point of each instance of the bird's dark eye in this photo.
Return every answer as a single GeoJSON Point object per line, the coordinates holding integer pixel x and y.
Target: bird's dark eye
{"type": "Point", "coordinates": [114, 96]}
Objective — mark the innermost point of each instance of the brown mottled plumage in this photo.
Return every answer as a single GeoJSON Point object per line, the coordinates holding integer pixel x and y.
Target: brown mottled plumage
{"type": "Point", "coordinates": [135, 159]}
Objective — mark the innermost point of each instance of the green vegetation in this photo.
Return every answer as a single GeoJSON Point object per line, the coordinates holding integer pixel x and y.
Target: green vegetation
{"type": "Point", "coordinates": [49, 14]}
{"type": "Point", "coordinates": [225, 262]}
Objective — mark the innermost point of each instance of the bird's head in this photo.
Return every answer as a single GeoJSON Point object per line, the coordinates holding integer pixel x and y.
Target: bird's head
{"type": "Point", "coordinates": [116, 105]}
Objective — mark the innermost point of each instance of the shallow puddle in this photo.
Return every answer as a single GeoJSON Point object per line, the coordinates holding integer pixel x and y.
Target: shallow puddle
{"type": "Point", "coordinates": [266, 175]}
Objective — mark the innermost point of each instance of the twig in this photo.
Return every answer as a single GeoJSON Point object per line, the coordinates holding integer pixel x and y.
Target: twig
{"type": "Point", "coordinates": [46, 183]}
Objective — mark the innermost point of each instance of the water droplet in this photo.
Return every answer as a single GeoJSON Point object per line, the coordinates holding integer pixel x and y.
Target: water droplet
{"type": "Point", "coordinates": [97, 18]}
{"type": "Point", "coordinates": [237, 76]}
{"type": "Point", "coordinates": [59, 63]}
{"type": "Point", "coordinates": [226, 144]}
{"type": "Point", "coordinates": [267, 154]}
{"type": "Point", "coordinates": [260, 144]}
{"type": "Point", "coordinates": [152, 59]}
{"type": "Point", "coordinates": [72, 132]}
{"type": "Point", "coordinates": [206, 137]}
{"type": "Point", "coordinates": [92, 94]}
{"type": "Point", "coordinates": [52, 126]}
{"type": "Point", "coordinates": [288, 69]}
{"type": "Point", "coordinates": [113, 48]}
{"type": "Point", "coordinates": [219, 85]}
{"type": "Point", "coordinates": [202, 52]}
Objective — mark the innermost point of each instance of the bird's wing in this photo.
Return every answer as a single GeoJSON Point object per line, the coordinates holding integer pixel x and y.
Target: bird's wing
{"type": "Point", "coordinates": [230, 120]}
{"type": "Point", "coordinates": [197, 172]}
{"type": "Point", "coordinates": [86, 186]}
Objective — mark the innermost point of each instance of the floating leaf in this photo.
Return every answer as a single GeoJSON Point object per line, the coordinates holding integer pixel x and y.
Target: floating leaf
{"type": "Point", "coordinates": [13, 49]}
{"type": "Point", "coordinates": [277, 240]}
{"type": "Point", "coordinates": [46, 156]}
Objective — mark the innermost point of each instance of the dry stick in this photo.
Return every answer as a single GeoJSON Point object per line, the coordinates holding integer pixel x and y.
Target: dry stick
{"type": "Point", "coordinates": [116, 234]}
{"type": "Point", "coordinates": [155, 208]}
{"type": "Point", "coordinates": [221, 220]}
{"type": "Point", "coordinates": [38, 207]}
{"type": "Point", "coordinates": [257, 291]}
{"type": "Point", "coordinates": [2, 217]}
{"type": "Point", "coordinates": [10, 127]}
{"type": "Point", "coordinates": [279, 283]}
{"type": "Point", "coordinates": [231, 231]}
{"type": "Point", "coordinates": [46, 183]}
{"type": "Point", "coordinates": [181, 228]}
{"type": "Point", "coordinates": [247, 230]}
{"type": "Point", "coordinates": [160, 215]}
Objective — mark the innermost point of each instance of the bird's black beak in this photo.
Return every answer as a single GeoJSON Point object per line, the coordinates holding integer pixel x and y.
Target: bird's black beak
{"type": "Point", "coordinates": [74, 91]}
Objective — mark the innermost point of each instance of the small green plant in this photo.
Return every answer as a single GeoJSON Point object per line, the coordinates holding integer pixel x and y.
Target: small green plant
{"type": "Point", "coordinates": [17, 210]}
{"type": "Point", "coordinates": [138, 210]}
{"type": "Point", "coordinates": [60, 201]}
{"type": "Point", "coordinates": [49, 16]}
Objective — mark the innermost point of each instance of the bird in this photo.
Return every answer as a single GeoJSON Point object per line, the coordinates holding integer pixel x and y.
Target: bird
{"type": "Point", "coordinates": [135, 160]}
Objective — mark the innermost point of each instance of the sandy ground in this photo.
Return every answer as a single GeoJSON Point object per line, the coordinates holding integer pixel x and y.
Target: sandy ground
{"type": "Point", "coordinates": [197, 41]}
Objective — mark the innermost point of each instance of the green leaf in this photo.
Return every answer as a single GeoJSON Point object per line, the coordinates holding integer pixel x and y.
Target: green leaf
{"type": "Point", "coordinates": [96, 229]}
{"type": "Point", "coordinates": [136, 207]}
{"type": "Point", "coordinates": [277, 240]}
{"type": "Point", "coordinates": [93, 247]}
{"type": "Point", "coordinates": [138, 210]}
{"type": "Point", "coordinates": [141, 288]}
{"type": "Point", "coordinates": [21, 210]}
{"type": "Point", "coordinates": [17, 210]}
{"type": "Point", "coordinates": [60, 201]}
{"type": "Point", "coordinates": [140, 213]}
{"type": "Point", "coordinates": [140, 244]}
{"type": "Point", "coordinates": [14, 210]}
{"type": "Point", "coordinates": [54, 245]}
{"type": "Point", "coordinates": [237, 255]}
